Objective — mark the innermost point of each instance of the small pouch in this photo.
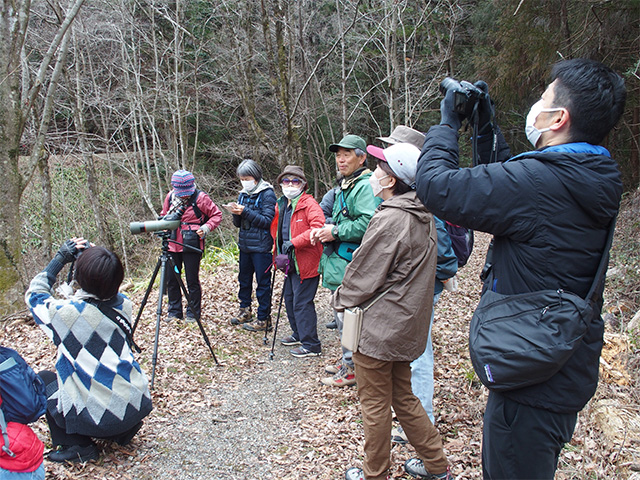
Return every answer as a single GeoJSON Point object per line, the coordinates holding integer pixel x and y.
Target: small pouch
{"type": "Point", "coordinates": [191, 239]}
{"type": "Point", "coordinates": [282, 262]}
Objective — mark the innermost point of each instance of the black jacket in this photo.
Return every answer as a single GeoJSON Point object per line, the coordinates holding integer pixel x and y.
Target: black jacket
{"type": "Point", "coordinates": [549, 213]}
{"type": "Point", "coordinates": [255, 221]}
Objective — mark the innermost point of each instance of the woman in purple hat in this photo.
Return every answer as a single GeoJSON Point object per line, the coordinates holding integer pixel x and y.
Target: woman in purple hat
{"type": "Point", "coordinates": [199, 216]}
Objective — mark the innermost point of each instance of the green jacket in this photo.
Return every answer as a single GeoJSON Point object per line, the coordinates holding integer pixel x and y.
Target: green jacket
{"type": "Point", "coordinates": [353, 208]}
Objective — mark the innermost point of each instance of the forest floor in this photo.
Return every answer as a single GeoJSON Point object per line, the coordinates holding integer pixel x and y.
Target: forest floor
{"type": "Point", "coordinates": [254, 417]}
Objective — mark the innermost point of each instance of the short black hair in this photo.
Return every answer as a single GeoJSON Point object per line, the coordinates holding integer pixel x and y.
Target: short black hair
{"type": "Point", "coordinates": [99, 271]}
{"type": "Point", "coordinates": [593, 94]}
{"type": "Point", "coordinates": [400, 187]}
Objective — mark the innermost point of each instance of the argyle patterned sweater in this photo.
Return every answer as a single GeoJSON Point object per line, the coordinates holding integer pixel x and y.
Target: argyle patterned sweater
{"type": "Point", "coordinates": [102, 391]}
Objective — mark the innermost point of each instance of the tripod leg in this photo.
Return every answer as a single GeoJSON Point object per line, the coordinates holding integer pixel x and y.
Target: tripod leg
{"type": "Point", "coordinates": [275, 330]}
{"type": "Point", "coordinates": [190, 303]}
{"type": "Point", "coordinates": [162, 263]}
{"type": "Point", "coordinates": [268, 325]}
{"type": "Point", "coordinates": [146, 295]}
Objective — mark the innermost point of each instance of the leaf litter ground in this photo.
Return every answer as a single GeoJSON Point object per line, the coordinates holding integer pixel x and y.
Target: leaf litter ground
{"type": "Point", "coordinates": [255, 417]}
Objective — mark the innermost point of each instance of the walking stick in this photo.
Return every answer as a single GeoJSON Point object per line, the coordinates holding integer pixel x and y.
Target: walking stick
{"type": "Point", "coordinates": [275, 330]}
{"type": "Point", "coordinates": [268, 325]}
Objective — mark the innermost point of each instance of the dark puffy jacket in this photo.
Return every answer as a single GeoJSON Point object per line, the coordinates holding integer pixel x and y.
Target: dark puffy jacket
{"type": "Point", "coordinates": [254, 223]}
{"type": "Point", "coordinates": [549, 211]}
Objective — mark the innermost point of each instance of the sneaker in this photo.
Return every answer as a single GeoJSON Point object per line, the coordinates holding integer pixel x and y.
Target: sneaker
{"type": "Point", "coordinates": [290, 341]}
{"type": "Point", "coordinates": [354, 474]}
{"type": "Point", "coordinates": [333, 369]}
{"type": "Point", "coordinates": [75, 454]}
{"type": "Point", "coordinates": [332, 325]}
{"type": "Point", "coordinates": [257, 326]}
{"type": "Point", "coordinates": [345, 377]}
{"type": "Point", "coordinates": [302, 352]}
{"type": "Point", "coordinates": [173, 317]}
{"type": "Point", "coordinates": [190, 318]}
{"type": "Point", "coordinates": [415, 468]}
{"type": "Point", "coordinates": [243, 316]}
{"type": "Point", "coordinates": [398, 436]}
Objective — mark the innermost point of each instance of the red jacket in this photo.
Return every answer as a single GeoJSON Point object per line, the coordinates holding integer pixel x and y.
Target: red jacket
{"type": "Point", "coordinates": [306, 215]}
{"type": "Point", "coordinates": [190, 220]}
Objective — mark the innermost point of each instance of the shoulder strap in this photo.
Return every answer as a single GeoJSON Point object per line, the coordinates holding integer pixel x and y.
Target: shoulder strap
{"type": "Point", "coordinates": [603, 262]}
{"type": "Point", "coordinates": [117, 318]}
{"type": "Point", "coordinates": [5, 435]}
{"type": "Point", "coordinates": [193, 201]}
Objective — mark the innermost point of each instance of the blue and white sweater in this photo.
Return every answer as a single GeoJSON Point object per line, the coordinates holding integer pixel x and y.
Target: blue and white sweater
{"type": "Point", "coordinates": [102, 391]}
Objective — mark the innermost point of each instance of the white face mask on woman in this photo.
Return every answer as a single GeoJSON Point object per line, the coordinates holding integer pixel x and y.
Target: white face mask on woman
{"type": "Point", "coordinates": [291, 192]}
{"type": "Point", "coordinates": [375, 184]}
{"type": "Point", "coordinates": [533, 134]}
{"type": "Point", "coordinates": [248, 185]}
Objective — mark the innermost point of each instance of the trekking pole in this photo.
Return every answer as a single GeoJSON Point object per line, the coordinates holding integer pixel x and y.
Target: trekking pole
{"type": "Point", "coordinates": [275, 330]}
{"type": "Point", "coordinates": [268, 325]}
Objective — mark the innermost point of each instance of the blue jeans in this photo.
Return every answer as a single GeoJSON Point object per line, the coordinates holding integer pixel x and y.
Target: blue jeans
{"type": "Point", "coordinates": [422, 371]}
{"type": "Point", "coordinates": [37, 474]}
{"type": "Point", "coordinates": [260, 265]}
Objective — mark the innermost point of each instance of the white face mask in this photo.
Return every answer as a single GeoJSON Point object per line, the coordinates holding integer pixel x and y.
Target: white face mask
{"type": "Point", "coordinates": [533, 134]}
{"type": "Point", "coordinates": [291, 192]}
{"type": "Point", "coordinates": [248, 185]}
{"type": "Point", "coordinates": [375, 184]}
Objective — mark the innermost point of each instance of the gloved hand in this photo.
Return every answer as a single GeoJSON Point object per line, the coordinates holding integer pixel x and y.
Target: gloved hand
{"type": "Point", "coordinates": [287, 247]}
{"type": "Point", "coordinates": [67, 253]}
{"type": "Point", "coordinates": [447, 111]}
{"type": "Point", "coordinates": [485, 109]}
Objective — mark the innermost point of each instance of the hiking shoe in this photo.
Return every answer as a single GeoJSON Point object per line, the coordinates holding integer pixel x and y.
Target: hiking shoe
{"type": "Point", "coordinates": [415, 468]}
{"type": "Point", "coordinates": [332, 325]}
{"type": "Point", "coordinates": [398, 436]}
{"type": "Point", "coordinates": [190, 318]}
{"type": "Point", "coordinates": [257, 326]}
{"type": "Point", "coordinates": [354, 474]}
{"type": "Point", "coordinates": [75, 454]}
{"type": "Point", "coordinates": [302, 352]}
{"type": "Point", "coordinates": [172, 317]}
{"type": "Point", "coordinates": [345, 377]}
{"type": "Point", "coordinates": [243, 316]}
{"type": "Point", "coordinates": [333, 369]}
{"type": "Point", "coordinates": [290, 341]}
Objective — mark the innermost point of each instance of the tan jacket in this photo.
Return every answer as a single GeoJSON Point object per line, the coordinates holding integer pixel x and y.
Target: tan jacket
{"type": "Point", "coordinates": [399, 248]}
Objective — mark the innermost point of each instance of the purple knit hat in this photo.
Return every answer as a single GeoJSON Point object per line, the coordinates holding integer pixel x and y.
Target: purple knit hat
{"type": "Point", "coordinates": [183, 183]}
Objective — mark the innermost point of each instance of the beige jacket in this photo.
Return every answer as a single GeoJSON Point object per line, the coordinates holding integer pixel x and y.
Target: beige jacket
{"type": "Point", "coordinates": [399, 248]}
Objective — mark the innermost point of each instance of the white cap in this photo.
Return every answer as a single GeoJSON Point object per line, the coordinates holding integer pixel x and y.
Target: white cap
{"type": "Point", "coordinates": [402, 158]}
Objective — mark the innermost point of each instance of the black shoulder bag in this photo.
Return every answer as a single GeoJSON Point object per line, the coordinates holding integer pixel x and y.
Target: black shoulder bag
{"type": "Point", "coordinates": [520, 340]}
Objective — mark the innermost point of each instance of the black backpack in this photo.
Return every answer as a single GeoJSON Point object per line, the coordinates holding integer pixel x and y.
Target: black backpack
{"type": "Point", "coordinates": [461, 241]}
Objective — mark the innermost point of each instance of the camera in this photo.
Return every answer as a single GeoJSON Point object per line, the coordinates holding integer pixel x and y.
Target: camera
{"type": "Point", "coordinates": [466, 95]}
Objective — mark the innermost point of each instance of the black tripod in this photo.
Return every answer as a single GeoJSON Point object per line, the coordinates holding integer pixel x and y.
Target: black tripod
{"type": "Point", "coordinates": [161, 266]}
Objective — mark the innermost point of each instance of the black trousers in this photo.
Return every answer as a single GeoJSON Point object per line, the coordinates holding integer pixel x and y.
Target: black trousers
{"type": "Point", "coordinates": [191, 263]}
{"type": "Point", "coordinates": [301, 310]}
{"type": "Point", "coordinates": [59, 435]}
{"type": "Point", "coordinates": [521, 442]}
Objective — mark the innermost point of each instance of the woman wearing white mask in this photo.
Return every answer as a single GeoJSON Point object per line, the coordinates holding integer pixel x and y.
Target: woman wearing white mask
{"type": "Point", "coordinates": [297, 213]}
{"type": "Point", "coordinates": [392, 274]}
{"type": "Point", "coordinates": [252, 214]}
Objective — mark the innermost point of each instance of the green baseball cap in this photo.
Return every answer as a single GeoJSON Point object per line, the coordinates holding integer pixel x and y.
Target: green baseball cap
{"type": "Point", "coordinates": [350, 142]}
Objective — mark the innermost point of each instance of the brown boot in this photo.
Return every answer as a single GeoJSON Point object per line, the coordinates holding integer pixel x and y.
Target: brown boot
{"type": "Point", "coordinates": [244, 316]}
{"type": "Point", "coordinates": [258, 326]}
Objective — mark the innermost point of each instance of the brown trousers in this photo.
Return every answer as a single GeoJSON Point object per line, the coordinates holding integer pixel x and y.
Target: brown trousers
{"type": "Point", "coordinates": [383, 384]}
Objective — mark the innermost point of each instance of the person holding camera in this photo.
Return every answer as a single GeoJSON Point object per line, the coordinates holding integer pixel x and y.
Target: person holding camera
{"type": "Point", "coordinates": [550, 211]}
{"type": "Point", "coordinates": [252, 214]}
{"type": "Point", "coordinates": [297, 213]}
{"type": "Point", "coordinates": [98, 389]}
{"type": "Point", "coordinates": [198, 216]}
{"type": "Point", "coordinates": [392, 277]}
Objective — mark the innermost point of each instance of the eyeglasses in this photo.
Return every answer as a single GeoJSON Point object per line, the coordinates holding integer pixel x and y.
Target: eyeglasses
{"type": "Point", "coordinates": [291, 181]}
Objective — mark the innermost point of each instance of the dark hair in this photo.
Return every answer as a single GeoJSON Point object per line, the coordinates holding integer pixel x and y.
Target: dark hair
{"type": "Point", "coordinates": [99, 271]}
{"type": "Point", "coordinates": [400, 187]}
{"type": "Point", "coordinates": [249, 168]}
{"type": "Point", "coordinates": [593, 94]}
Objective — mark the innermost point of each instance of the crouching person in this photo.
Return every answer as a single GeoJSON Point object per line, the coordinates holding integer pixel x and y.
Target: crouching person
{"type": "Point", "coordinates": [392, 276]}
{"type": "Point", "coordinates": [98, 389]}
{"type": "Point", "coordinates": [297, 213]}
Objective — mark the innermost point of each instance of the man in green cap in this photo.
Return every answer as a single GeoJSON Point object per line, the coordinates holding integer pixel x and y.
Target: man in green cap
{"type": "Point", "coordinates": [353, 207]}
